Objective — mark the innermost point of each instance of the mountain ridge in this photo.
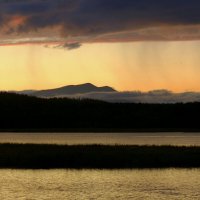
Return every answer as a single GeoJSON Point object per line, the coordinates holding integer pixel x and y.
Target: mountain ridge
{"type": "Point", "coordinates": [108, 94]}
{"type": "Point", "coordinates": [70, 90]}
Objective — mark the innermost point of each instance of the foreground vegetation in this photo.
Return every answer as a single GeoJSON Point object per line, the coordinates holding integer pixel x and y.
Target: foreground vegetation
{"type": "Point", "coordinates": [34, 156]}
{"type": "Point", "coordinates": [24, 113]}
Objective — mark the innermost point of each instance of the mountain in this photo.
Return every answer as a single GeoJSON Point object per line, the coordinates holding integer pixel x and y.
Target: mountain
{"type": "Point", "coordinates": [71, 90]}
{"type": "Point", "coordinates": [90, 91]}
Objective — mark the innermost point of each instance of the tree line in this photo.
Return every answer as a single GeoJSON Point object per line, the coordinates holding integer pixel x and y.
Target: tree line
{"type": "Point", "coordinates": [21, 112]}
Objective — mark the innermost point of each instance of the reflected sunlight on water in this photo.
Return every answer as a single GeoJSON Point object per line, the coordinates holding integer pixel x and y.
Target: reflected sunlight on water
{"type": "Point", "coordinates": [170, 184]}
{"type": "Point", "coordinates": [103, 138]}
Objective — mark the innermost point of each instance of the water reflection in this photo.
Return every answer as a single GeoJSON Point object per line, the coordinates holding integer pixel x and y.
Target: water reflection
{"type": "Point", "coordinates": [103, 138]}
{"type": "Point", "coordinates": [170, 184]}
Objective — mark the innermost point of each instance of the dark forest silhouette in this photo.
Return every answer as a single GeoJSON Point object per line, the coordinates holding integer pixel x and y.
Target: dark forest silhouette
{"type": "Point", "coordinates": [21, 112]}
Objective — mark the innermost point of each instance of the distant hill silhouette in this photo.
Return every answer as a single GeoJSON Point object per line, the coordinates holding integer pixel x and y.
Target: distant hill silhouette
{"type": "Point", "coordinates": [108, 94]}
{"type": "Point", "coordinates": [71, 90]}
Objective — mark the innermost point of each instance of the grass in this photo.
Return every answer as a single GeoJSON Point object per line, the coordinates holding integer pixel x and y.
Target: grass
{"type": "Point", "coordinates": [34, 156]}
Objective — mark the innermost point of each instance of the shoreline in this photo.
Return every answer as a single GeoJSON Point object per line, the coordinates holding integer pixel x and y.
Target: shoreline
{"type": "Point", "coordinates": [50, 156]}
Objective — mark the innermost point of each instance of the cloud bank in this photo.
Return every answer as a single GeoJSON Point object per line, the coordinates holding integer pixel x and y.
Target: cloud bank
{"type": "Point", "coordinates": [84, 21]}
{"type": "Point", "coordinates": [158, 96]}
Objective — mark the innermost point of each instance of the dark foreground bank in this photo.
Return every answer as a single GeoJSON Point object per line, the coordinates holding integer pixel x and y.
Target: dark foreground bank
{"type": "Point", "coordinates": [33, 156]}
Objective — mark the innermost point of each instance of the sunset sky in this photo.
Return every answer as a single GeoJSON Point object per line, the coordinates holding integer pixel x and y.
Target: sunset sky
{"type": "Point", "coordinates": [127, 44]}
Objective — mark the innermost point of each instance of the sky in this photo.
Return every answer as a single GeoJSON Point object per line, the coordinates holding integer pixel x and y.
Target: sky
{"type": "Point", "coordinates": [127, 44]}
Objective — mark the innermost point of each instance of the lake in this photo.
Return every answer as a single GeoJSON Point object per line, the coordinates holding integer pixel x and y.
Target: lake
{"type": "Point", "coordinates": [103, 138]}
{"type": "Point", "coordinates": [173, 184]}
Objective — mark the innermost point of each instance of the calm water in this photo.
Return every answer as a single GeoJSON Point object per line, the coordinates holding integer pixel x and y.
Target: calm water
{"type": "Point", "coordinates": [103, 138]}
{"type": "Point", "coordinates": [173, 184]}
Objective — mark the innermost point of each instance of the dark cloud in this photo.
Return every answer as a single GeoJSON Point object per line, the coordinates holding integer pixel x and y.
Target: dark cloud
{"type": "Point", "coordinates": [1, 20]}
{"type": "Point", "coordinates": [94, 18]}
{"type": "Point", "coordinates": [68, 46]}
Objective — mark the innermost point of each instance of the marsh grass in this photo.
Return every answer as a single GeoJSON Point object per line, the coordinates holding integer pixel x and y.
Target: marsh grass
{"type": "Point", "coordinates": [34, 156]}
